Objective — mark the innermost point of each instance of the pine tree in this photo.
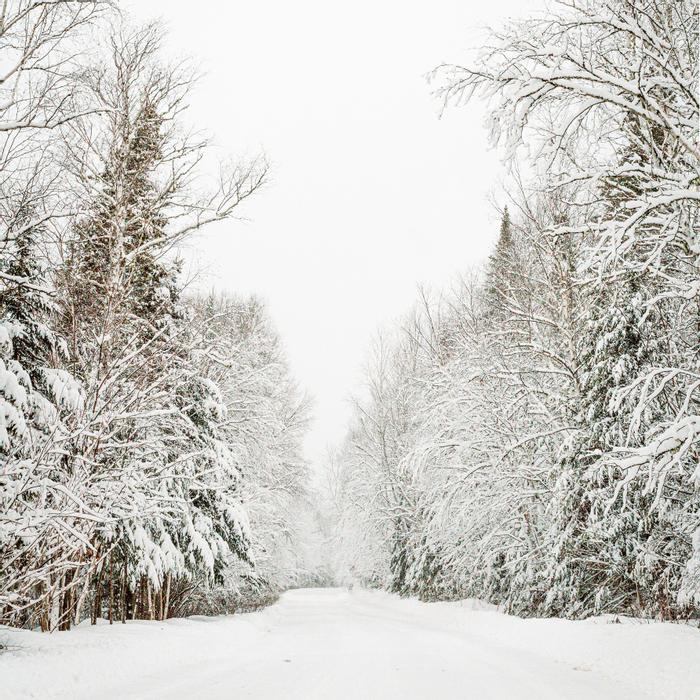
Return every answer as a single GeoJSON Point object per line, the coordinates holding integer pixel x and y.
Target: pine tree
{"type": "Point", "coordinates": [501, 276]}
{"type": "Point", "coordinates": [37, 397]}
{"type": "Point", "coordinates": [168, 455]}
{"type": "Point", "coordinates": [605, 543]}
{"type": "Point", "coordinates": [21, 343]}
{"type": "Point", "coordinates": [595, 548]}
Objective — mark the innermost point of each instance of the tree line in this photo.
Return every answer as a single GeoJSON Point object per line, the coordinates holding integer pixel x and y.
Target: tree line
{"type": "Point", "coordinates": [532, 435]}
{"type": "Point", "coordinates": [150, 440]}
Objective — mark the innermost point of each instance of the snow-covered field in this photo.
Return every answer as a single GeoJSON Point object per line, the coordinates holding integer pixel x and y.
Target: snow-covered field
{"type": "Point", "coordinates": [333, 643]}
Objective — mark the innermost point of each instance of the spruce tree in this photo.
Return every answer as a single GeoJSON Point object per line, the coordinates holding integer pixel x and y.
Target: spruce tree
{"type": "Point", "coordinates": [501, 272]}
{"type": "Point", "coordinates": [173, 459]}
{"type": "Point", "coordinates": [37, 399]}
{"type": "Point", "coordinates": [605, 541]}
{"type": "Point", "coordinates": [34, 350]}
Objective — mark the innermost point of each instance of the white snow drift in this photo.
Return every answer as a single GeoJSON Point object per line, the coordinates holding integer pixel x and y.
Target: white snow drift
{"type": "Point", "coordinates": [331, 643]}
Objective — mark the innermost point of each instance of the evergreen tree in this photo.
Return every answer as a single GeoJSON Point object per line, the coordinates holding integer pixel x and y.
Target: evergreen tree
{"type": "Point", "coordinates": [37, 397]}
{"type": "Point", "coordinates": [158, 449]}
{"type": "Point", "coordinates": [611, 546]}
{"type": "Point", "coordinates": [501, 274]}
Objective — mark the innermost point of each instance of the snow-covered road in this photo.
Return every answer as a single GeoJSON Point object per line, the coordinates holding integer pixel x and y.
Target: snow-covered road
{"type": "Point", "coordinates": [331, 643]}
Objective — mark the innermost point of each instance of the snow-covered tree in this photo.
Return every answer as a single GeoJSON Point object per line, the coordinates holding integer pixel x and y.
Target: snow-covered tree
{"type": "Point", "coordinates": [547, 459]}
{"type": "Point", "coordinates": [38, 93]}
{"type": "Point", "coordinates": [266, 419]}
{"type": "Point", "coordinates": [120, 481]}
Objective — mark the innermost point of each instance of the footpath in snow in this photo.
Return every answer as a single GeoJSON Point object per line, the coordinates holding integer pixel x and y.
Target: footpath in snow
{"type": "Point", "coordinates": [334, 644]}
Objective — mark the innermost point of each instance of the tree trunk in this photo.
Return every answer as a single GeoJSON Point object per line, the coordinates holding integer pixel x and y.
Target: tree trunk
{"type": "Point", "coordinates": [150, 600]}
{"type": "Point", "coordinates": [97, 607]}
{"type": "Point", "coordinates": [111, 589]}
{"type": "Point", "coordinates": [166, 605]}
{"type": "Point", "coordinates": [123, 592]}
{"type": "Point", "coordinates": [81, 600]}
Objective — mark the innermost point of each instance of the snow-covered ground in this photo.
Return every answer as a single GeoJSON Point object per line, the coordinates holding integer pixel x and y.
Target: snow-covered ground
{"type": "Point", "coordinates": [331, 643]}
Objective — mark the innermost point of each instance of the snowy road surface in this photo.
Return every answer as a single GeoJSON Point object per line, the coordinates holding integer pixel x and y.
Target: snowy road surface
{"type": "Point", "coordinates": [331, 643]}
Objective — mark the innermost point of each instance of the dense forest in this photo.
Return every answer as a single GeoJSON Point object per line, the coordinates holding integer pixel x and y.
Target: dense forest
{"type": "Point", "coordinates": [150, 439]}
{"type": "Point", "coordinates": [529, 436]}
{"type": "Point", "coordinates": [532, 436]}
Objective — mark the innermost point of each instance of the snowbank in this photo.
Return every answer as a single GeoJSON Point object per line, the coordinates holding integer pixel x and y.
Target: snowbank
{"type": "Point", "coordinates": [661, 659]}
{"type": "Point", "coordinates": [349, 631]}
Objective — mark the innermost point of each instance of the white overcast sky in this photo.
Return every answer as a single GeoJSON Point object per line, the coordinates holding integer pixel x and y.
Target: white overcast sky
{"type": "Point", "coordinates": [372, 193]}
